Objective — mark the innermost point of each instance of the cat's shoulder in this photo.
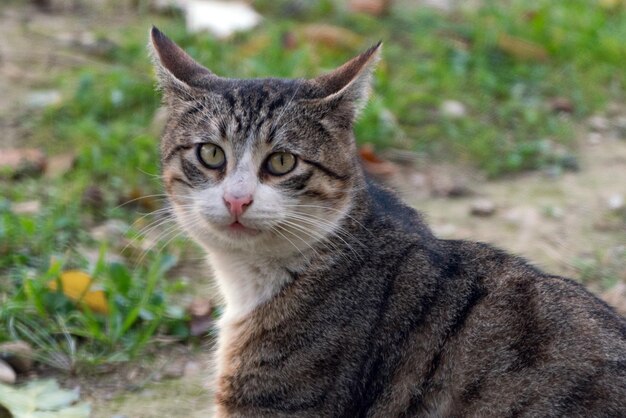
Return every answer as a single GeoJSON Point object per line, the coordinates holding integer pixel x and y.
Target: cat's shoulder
{"type": "Point", "coordinates": [386, 205]}
{"type": "Point", "coordinates": [512, 278]}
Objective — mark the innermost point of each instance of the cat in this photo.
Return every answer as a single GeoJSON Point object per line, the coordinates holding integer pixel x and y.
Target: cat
{"type": "Point", "coordinates": [339, 300]}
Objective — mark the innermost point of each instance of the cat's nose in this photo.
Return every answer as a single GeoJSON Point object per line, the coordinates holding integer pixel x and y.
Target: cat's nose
{"type": "Point", "coordinates": [236, 205]}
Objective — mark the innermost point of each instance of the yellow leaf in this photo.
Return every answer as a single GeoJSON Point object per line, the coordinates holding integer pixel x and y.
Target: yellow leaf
{"type": "Point", "coordinates": [610, 4]}
{"type": "Point", "coordinates": [77, 286]}
{"type": "Point", "coordinates": [521, 48]}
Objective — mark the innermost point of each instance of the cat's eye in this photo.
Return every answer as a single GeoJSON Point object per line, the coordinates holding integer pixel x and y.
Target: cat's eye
{"type": "Point", "coordinates": [280, 163]}
{"type": "Point", "coordinates": [211, 156]}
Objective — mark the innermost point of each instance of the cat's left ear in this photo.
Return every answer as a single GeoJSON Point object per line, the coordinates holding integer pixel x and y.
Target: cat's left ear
{"type": "Point", "coordinates": [347, 88]}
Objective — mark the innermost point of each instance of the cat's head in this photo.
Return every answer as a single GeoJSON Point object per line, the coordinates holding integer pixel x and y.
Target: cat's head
{"type": "Point", "coordinates": [262, 164]}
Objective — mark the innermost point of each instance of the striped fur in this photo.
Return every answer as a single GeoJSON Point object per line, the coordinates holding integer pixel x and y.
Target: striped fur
{"type": "Point", "coordinates": [356, 309]}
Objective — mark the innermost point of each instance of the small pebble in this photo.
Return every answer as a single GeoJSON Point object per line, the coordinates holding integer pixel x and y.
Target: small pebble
{"type": "Point", "coordinates": [7, 374]}
{"type": "Point", "coordinates": [18, 354]}
{"type": "Point", "coordinates": [598, 123]}
{"type": "Point", "coordinates": [43, 98]}
{"type": "Point", "coordinates": [615, 202]}
{"type": "Point", "coordinates": [483, 208]}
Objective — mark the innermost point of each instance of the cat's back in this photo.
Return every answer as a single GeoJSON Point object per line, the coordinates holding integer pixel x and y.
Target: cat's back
{"type": "Point", "coordinates": [502, 337]}
{"type": "Point", "coordinates": [534, 345]}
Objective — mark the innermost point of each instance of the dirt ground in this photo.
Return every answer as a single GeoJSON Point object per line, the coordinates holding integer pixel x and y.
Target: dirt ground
{"type": "Point", "coordinates": [568, 223]}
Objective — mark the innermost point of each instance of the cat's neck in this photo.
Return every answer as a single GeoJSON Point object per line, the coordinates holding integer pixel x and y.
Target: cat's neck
{"type": "Point", "coordinates": [246, 280]}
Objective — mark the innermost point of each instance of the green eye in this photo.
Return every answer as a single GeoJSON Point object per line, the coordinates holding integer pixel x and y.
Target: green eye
{"type": "Point", "coordinates": [281, 163]}
{"type": "Point", "coordinates": [211, 156]}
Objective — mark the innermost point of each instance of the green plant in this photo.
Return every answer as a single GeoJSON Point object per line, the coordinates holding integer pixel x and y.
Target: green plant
{"type": "Point", "coordinates": [69, 336]}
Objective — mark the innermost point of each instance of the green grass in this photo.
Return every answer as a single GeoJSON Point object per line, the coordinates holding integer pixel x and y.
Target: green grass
{"type": "Point", "coordinates": [107, 112]}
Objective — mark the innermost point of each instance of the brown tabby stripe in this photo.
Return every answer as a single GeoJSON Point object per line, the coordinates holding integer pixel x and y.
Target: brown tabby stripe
{"type": "Point", "coordinates": [530, 343]}
{"type": "Point", "coordinates": [195, 175]}
{"type": "Point", "coordinates": [582, 392]}
{"type": "Point", "coordinates": [179, 180]}
{"type": "Point", "coordinates": [319, 195]}
{"type": "Point", "coordinates": [298, 182]}
{"type": "Point", "coordinates": [380, 381]}
{"type": "Point", "coordinates": [372, 362]}
{"type": "Point", "coordinates": [174, 151]}
{"type": "Point", "coordinates": [326, 170]}
{"type": "Point", "coordinates": [193, 109]}
{"type": "Point", "coordinates": [477, 294]}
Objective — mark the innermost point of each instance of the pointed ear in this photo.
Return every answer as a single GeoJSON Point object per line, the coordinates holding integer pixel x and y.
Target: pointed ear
{"type": "Point", "coordinates": [348, 86]}
{"type": "Point", "coordinates": [176, 70]}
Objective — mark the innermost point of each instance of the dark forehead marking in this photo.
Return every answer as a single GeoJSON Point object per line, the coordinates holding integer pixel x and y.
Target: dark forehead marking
{"type": "Point", "coordinates": [255, 102]}
{"type": "Point", "coordinates": [193, 108]}
{"type": "Point", "coordinates": [230, 98]}
{"type": "Point", "coordinates": [256, 85]}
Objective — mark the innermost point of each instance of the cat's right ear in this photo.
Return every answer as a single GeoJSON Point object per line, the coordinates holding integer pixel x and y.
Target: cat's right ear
{"type": "Point", "coordinates": [177, 72]}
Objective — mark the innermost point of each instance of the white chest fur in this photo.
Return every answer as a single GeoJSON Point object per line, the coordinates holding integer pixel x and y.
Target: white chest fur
{"type": "Point", "coordinates": [246, 281]}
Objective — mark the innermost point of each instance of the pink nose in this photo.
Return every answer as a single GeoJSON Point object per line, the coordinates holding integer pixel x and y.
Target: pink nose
{"type": "Point", "coordinates": [237, 205]}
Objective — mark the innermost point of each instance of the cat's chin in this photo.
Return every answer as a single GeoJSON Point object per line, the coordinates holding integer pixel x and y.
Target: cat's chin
{"type": "Point", "coordinates": [235, 235]}
{"type": "Point", "coordinates": [237, 229]}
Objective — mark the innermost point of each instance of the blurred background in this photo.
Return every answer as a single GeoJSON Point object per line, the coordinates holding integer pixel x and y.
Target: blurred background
{"type": "Point", "coordinates": [504, 121]}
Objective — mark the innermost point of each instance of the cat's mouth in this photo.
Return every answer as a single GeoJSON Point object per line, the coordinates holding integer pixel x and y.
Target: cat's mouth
{"type": "Point", "coordinates": [239, 228]}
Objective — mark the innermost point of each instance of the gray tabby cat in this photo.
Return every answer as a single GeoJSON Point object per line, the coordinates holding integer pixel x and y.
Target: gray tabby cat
{"type": "Point", "coordinates": [339, 301]}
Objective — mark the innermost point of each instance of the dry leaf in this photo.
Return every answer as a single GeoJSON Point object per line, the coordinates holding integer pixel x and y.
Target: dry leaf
{"type": "Point", "coordinates": [22, 161]}
{"type": "Point", "coordinates": [77, 286]}
{"type": "Point", "coordinates": [561, 105]}
{"type": "Point", "coordinates": [521, 48]}
{"type": "Point", "coordinates": [367, 153]}
{"type": "Point", "coordinates": [331, 36]}
{"type": "Point", "coordinates": [372, 7]}
{"type": "Point", "coordinates": [375, 165]}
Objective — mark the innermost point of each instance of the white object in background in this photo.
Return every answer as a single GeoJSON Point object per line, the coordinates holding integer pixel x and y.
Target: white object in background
{"type": "Point", "coordinates": [220, 18]}
{"type": "Point", "coordinates": [453, 109]}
